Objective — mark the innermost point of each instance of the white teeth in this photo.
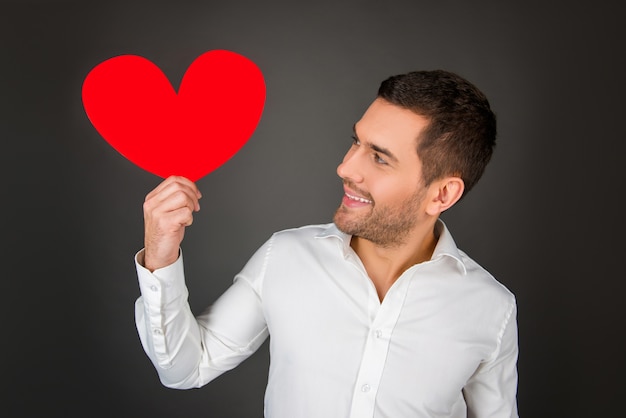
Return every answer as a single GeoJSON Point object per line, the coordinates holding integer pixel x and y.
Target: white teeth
{"type": "Point", "coordinates": [358, 199]}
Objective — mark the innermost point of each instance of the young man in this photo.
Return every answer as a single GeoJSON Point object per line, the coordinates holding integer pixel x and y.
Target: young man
{"type": "Point", "coordinates": [377, 314]}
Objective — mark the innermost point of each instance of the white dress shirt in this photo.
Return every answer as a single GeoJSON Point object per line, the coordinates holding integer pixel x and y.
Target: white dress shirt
{"type": "Point", "coordinates": [443, 342]}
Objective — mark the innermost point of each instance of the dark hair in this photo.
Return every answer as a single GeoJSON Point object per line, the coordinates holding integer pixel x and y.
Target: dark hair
{"type": "Point", "coordinates": [461, 133]}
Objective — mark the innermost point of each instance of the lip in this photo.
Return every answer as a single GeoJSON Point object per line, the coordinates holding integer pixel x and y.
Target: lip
{"type": "Point", "coordinates": [353, 199]}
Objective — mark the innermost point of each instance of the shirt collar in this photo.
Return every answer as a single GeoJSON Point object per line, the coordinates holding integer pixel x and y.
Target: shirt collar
{"type": "Point", "coordinates": [446, 247]}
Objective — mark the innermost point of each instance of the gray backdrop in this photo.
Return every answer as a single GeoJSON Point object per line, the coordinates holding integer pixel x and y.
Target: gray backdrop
{"type": "Point", "coordinates": [545, 219]}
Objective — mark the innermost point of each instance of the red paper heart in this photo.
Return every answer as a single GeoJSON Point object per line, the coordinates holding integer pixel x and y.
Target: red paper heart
{"type": "Point", "coordinates": [132, 104]}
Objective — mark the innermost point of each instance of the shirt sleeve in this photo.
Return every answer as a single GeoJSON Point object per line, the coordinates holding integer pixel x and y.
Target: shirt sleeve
{"type": "Point", "coordinates": [189, 351]}
{"type": "Point", "coordinates": [492, 391]}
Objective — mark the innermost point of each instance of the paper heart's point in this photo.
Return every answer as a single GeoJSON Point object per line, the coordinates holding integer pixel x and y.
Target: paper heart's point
{"type": "Point", "coordinates": [134, 107]}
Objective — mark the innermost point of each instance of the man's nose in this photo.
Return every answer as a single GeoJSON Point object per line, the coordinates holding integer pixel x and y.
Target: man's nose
{"type": "Point", "coordinates": [349, 168]}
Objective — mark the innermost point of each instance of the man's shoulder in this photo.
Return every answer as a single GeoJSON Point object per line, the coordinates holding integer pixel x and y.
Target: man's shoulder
{"type": "Point", "coordinates": [479, 276]}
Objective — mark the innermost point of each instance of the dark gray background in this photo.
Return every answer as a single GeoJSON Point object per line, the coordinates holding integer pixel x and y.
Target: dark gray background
{"type": "Point", "coordinates": [545, 219]}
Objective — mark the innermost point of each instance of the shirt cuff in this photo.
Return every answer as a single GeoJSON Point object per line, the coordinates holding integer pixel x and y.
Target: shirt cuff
{"type": "Point", "coordinates": [162, 285]}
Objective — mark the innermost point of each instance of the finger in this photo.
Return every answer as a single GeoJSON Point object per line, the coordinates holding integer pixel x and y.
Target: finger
{"type": "Point", "coordinates": [187, 183]}
{"type": "Point", "coordinates": [169, 201]}
{"type": "Point", "coordinates": [174, 192]}
{"type": "Point", "coordinates": [175, 180]}
{"type": "Point", "coordinates": [159, 188]}
{"type": "Point", "coordinates": [177, 219]}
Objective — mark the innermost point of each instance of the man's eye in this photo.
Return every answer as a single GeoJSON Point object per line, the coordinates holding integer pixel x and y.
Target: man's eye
{"type": "Point", "coordinates": [379, 160]}
{"type": "Point", "coordinates": [355, 141]}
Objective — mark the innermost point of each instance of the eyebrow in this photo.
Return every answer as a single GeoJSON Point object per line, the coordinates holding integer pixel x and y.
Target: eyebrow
{"type": "Point", "coordinates": [375, 147]}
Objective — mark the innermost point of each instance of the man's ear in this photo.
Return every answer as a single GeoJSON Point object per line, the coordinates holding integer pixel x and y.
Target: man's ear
{"type": "Point", "coordinates": [444, 193]}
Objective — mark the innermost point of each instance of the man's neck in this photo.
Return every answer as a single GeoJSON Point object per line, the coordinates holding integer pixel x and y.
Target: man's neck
{"type": "Point", "coordinates": [384, 265]}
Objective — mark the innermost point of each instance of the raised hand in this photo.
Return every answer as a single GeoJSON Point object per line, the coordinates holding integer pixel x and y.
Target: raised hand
{"type": "Point", "coordinates": [167, 210]}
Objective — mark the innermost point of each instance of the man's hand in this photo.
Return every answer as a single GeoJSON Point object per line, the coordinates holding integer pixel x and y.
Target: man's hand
{"type": "Point", "coordinates": [167, 210]}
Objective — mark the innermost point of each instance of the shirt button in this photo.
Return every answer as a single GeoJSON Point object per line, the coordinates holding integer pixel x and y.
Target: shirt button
{"type": "Point", "coordinates": [378, 333]}
{"type": "Point", "coordinates": [365, 388]}
{"type": "Point", "coordinates": [154, 288]}
{"type": "Point", "coordinates": [157, 331]}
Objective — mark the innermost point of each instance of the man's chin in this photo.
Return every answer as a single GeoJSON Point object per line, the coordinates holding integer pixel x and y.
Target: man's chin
{"type": "Point", "coordinates": [346, 226]}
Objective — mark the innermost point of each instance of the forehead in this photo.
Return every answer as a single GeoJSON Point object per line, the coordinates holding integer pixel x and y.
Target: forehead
{"type": "Point", "coordinates": [391, 126]}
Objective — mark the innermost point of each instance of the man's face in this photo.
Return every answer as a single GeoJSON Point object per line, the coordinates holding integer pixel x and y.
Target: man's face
{"type": "Point", "coordinates": [382, 176]}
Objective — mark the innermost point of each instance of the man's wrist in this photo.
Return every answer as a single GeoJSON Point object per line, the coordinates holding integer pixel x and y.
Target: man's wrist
{"type": "Point", "coordinates": [140, 257]}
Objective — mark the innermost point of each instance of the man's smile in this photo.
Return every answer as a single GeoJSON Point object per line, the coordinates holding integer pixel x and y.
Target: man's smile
{"type": "Point", "coordinates": [352, 199]}
{"type": "Point", "coordinates": [358, 199]}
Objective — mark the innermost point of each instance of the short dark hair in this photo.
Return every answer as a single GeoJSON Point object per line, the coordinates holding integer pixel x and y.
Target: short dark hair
{"type": "Point", "coordinates": [461, 134]}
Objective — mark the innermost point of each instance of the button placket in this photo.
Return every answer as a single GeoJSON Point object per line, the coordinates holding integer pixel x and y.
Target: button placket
{"type": "Point", "coordinates": [376, 348]}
